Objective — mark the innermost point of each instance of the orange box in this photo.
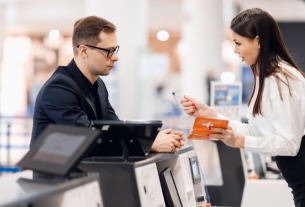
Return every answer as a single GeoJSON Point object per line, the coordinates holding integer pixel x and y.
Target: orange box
{"type": "Point", "coordinates": [201, 127]}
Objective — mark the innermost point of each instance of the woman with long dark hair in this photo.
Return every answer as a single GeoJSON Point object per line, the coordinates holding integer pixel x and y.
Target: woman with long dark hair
{"type": "Point", "coordinates": [277, 103]}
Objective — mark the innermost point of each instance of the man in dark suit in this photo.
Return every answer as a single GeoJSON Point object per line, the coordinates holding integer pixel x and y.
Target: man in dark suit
{"type": "Point", "coordinates": [75, 95]}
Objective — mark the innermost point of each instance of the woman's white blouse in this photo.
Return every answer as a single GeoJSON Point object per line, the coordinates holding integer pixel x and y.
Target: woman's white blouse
{"type": "Point", "coordinates": [279, 130]}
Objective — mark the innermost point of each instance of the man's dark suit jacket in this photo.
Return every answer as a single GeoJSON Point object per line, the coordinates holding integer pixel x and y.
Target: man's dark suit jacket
{"type": "Point", "coordinates": [64, 99]}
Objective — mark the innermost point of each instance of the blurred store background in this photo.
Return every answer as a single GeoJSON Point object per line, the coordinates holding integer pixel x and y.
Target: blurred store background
{"type": "Point", "coordinates": [165, 46]}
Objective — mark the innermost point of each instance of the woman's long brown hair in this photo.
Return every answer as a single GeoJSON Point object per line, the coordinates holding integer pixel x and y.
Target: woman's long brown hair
{"type": "Point", "coordinates": [256, 22]}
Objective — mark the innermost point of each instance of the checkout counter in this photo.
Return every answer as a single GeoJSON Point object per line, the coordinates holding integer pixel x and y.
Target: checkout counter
{"type": "Point", "coordinates": [137, 183]}
{"type": "Point", "coordinates": [153, 179]}
{"type": "Point", "coordinates": [118, 184]}
{"type": "Point", "coordinates": [68, 176]}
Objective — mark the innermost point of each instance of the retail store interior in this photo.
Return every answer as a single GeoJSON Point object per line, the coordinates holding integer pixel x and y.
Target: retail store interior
{"type": "Point", "coordinates": [166, 46]}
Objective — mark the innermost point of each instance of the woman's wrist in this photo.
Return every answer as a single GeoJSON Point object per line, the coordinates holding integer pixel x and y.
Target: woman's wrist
{"type": "Point", "coordinates": [212, 113]}
{"type": "Point", "coordinates": [240, 142]}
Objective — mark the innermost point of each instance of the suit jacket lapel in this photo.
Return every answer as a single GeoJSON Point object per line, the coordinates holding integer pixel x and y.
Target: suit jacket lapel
{"type": "Point", "coordinates": [102, 104]}
{"type": "Point", "coordinates": [91, 104]}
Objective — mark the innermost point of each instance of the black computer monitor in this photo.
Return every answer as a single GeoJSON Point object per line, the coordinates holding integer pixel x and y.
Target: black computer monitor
{"type": "Point", "coordinates": [58, 149]}
{"type": "Point", "coordinates": [124, 139]}
{"type": "Point", "coordinates": [169, 189]}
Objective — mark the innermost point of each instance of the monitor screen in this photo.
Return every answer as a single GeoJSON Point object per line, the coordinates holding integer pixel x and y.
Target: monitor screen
{"type": "Point", "coordinates": [170, 192]}
{"type": "Point", "coordinates": [195, 169]}
{"type": "Point", "coordinates": [125, 139]}
{"type": "Point", "coordinates": [226, 98]}
{"type": "Point", "coordinates": [226, 95]}
{"type": "Point", "coordinates": [58, 149]}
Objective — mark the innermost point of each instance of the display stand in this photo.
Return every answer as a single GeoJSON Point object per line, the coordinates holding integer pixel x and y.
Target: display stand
{"type": "Point", "coordinates": [233, 176]}
{"type": "Point", "coordinates": [238, 190]}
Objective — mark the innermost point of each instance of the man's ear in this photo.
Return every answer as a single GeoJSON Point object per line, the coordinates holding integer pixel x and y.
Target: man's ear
{"type": "Point", "coordinates": [82, 51]}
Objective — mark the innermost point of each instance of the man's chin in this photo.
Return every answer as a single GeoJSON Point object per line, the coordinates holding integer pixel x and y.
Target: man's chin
{"type": "Point", "coordinates": [105, 73]}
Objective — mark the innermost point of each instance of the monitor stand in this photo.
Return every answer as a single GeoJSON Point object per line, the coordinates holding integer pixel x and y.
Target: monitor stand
{"type": "Point", "coordinates": [125, 154]}
{"type": "Point", "coordinates": [129, 155]}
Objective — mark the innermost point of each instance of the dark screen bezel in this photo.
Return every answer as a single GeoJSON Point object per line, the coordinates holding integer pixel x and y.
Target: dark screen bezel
{"type": "Point", "coordinates": [167, 192]}
{"type": "Point", "coordinates": [112, 147]}
{"type": "Point", "coordinates": [27, 162]}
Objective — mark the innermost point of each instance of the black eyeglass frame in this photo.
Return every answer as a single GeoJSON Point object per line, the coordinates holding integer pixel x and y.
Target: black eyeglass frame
{"type": "Point", "coordinates": [109, 51]}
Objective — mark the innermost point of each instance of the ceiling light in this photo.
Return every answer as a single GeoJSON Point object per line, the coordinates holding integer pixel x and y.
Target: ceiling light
{"type": "Point", "coordinates": [54, 34]}
{"type": "Point", "coordinates": [162, 35]}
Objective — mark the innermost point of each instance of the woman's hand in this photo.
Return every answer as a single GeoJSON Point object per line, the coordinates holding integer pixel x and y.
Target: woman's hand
{"type": "Point", "coordinates": [168, 141]}
{"type": "Point", "coordinates": [194, 107]}
{"type": "Point", "coordinates": [228, 137]}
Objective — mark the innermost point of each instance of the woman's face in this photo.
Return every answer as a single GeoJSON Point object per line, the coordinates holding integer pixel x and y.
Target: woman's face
{"type": "Point", "coordinates": [247, 49]}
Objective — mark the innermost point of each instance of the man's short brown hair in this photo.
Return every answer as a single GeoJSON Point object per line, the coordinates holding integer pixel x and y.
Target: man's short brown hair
{"type": "Point", "coordinates": [88, 29]}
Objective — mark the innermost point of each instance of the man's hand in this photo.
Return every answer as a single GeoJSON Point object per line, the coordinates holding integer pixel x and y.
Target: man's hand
{"type": "Point", "coordinates": [168, 141]}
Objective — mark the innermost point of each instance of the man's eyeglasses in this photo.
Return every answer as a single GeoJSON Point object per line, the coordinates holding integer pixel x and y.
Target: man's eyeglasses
{"type": "Point", "coordinates": [109, 51]}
